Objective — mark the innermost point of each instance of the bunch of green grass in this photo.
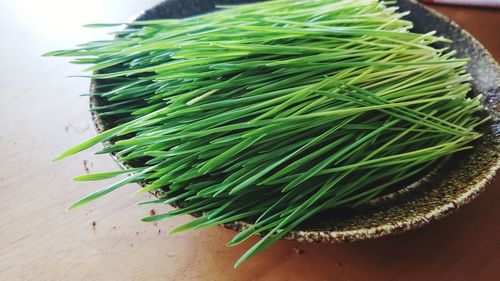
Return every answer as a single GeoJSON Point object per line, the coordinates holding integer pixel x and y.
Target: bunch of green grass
{"type": "Point", "coordinates": [274, 112]}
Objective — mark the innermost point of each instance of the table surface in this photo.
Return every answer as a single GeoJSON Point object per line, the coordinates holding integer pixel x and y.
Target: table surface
{"type": "Point", "coordinates": [42, 115]}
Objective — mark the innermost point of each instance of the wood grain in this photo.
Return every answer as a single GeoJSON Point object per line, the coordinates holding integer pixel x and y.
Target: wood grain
{"type": "Point", "coordinates": [41, 115]}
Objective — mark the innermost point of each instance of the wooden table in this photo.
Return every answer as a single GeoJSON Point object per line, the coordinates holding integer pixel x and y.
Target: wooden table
{"type": "Point", "coordinates": [41, 115]}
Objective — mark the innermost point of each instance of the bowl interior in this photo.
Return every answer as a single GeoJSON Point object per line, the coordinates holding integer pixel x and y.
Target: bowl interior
{"type": "Point", "coordinates": [452, 184]}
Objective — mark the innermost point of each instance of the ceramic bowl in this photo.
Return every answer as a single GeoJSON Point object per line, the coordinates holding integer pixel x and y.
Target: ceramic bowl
{"type": "Point", "coordinates": [451, 185]}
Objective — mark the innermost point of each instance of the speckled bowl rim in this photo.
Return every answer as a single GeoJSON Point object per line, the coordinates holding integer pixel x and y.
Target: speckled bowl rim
{"type": "Point", "coordinates": [399, 226]}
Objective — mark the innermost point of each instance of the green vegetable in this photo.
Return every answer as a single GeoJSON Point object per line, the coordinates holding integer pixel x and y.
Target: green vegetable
{"type": "Point", "coordinates": [274, 112]}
